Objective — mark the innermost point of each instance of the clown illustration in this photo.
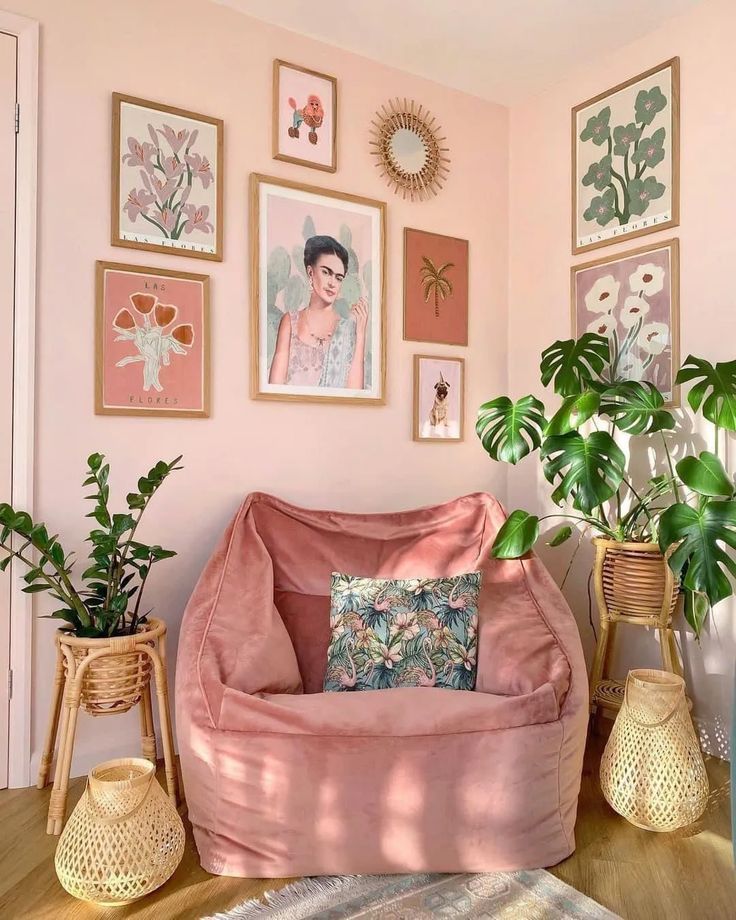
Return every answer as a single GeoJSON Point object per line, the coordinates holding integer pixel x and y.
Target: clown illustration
{"type": "Point", "coordinates": [312, 115]}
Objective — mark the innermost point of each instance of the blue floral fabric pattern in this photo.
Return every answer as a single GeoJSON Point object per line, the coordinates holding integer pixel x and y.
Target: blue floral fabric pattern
{"type": "Point", "coordinates": [394, 632]}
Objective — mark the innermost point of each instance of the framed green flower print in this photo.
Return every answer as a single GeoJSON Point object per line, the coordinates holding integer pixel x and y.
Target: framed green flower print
{"type": "Point", "coordinates": [626, 160]}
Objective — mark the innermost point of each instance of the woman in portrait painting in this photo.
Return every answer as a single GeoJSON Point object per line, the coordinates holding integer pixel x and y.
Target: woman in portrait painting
{"type": "Point", "coordinates": [315, 345]}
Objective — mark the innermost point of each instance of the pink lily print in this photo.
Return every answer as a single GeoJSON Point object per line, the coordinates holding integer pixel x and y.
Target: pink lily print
{"type": "Point", "coordinates": [173, 174]}
{"type": "Point", "coordinates": [153, 343]}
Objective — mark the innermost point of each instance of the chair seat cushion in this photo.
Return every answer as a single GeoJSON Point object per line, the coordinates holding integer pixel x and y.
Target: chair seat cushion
{"type": "Point", "coordinates": [398, 712]}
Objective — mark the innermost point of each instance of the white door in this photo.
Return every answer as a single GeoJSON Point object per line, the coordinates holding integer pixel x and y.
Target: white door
{"type": "Point", "coordinates": [8, 96]}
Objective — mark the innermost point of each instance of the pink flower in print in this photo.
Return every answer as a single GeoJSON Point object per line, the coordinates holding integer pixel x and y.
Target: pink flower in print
{"type": "Point", "coordinates": [176, 139]}
{"type": "Point", "coordinates": [197, 218]}
{"type": "Point", "coordinates": [173, 168]}
{"type": "Point", "coordinates": [463, 656]}
{"type": "Point", "coordinates": [162, 189]}
{"type": "Point", "coordinates": [200, 167]}
{"type": "Point", "coordinates": [388, 656]}
{"type": "Point", "coordinates": [404, 626]}
{"type": "Point", "coordinates": [139, 201]}
{"type": "Point", "coordinates": [166, 218]}
{"type": "Point", "coordinates": [140, 154]}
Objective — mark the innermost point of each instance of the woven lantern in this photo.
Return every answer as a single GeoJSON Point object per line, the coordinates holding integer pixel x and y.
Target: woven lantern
{"type": "Point", "coordinates": [124, 839]}
{"type": "Point", "coordinates": [652, 771]}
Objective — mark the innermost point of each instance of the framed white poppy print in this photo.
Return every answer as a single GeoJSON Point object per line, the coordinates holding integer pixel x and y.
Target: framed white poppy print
{"type": "Point", "coordinates": [633, 299]}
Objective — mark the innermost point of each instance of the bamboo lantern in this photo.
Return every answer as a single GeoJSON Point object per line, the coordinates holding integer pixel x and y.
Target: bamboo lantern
{"type": "Point", "coordinates": [652, 771]}
{"type": "Point", "coordinates": [124, 839]}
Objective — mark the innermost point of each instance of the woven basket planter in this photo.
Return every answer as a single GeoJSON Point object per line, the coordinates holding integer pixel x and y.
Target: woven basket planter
{"type": "Point", "coordinates": [124, 839]}
{"type": "Point", "coordinates": [634, 583]}
{"type": "Point", "coordinates": [113, 682]}
{"type": "Point", "coordinates": [652, 771]}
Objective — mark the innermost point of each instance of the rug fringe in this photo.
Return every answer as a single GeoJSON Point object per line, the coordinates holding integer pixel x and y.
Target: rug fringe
{"type": "Point", "coordinates": [284, 897]}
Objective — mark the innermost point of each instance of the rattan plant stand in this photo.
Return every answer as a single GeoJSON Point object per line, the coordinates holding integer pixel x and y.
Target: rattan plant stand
{"type": "Point", "coordinates": [633, 585]}
{"type": "Point", "coordinates": [106, 677]}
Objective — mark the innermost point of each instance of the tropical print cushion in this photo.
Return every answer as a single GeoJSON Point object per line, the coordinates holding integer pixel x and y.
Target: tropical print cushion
{"type": "Point", "coordinates": [394, 632]}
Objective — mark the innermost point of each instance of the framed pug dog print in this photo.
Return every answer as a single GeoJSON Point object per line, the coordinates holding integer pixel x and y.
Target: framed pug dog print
{"type": "Point", "coordinates": [439, 398]}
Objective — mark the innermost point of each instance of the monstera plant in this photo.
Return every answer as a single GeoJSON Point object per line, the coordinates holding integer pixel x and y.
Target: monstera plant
{"type": "Point", "coordinates": [689, 510]}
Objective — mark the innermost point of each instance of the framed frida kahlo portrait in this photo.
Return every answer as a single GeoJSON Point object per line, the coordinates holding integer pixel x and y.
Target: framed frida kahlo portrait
{"type": "Point", "coordinates": [318, 314]}
{"type": "Point", "coordinates": [626, 160]}
{"type": "Point", "coordinates": [439, 398]}
{"type": "Point", "coordinates": [435, 288]}
{"type": "Point", "coordinates": [152, 342]}
{"type": "Point", "coordinates": [167, 179]}
{"type": "Point", "coordinates": [304, 116]}
{"type": "Point", "coordinates": [632, 298]}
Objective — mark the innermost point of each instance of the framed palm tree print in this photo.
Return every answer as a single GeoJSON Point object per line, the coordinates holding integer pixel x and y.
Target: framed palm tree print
{"type": "Point", "coordinates": [435, 288]}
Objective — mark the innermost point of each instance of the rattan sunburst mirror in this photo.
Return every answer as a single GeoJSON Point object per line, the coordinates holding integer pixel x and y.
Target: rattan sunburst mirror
{"type": "Point", "coordinates": [407, 143]}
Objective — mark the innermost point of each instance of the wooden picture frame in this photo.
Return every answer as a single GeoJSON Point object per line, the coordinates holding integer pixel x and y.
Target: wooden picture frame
{"type": "Point", "coordinates": [422, 406]}
{"type": "Point", "coordinates": [447, 324]}
{"type": "Point", "coordinates": [659, 304]}
{"type": "Point", "coordinates": [297, 203]}
{"type": "Point", "coordinates": [187, 298]}
{"type": "Point", "coordinates": [193, 224]}
{"type": "Point", "coordinates": [305, 82]}
{"type": "Point", "coordinates": [632, 122]}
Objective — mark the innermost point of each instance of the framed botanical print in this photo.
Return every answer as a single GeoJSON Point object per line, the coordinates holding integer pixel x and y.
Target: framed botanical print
{"type": "Point", "coordinates": [318, 314]}
{"type": "Point", "coordinates": [633, 299]}
{"type": "Point", "coordinates": [626, 160]}
{"type": "Point", "coordinates": [439, 398]}
{"type": "Point", "coordinates": [167, 179]}
{"type": "Point", "coordinates": [152, 335]}
{"type": "Point", "coordinates": [304, 116]}
{"type": "Point", "coordinates": [435, 288]}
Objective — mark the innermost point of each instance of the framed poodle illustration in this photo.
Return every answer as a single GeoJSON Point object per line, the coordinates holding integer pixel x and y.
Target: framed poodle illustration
{"type": "Point", "coordinates": [152, 342]}
{"type": "Point", "coordinates": [304, 116]}
{"type": "Point", "coordinates": [166, 179]}
{"type": "Point", "coordinates": [439, 398]}
{"type": "Point", "coordinates": [318, 311]}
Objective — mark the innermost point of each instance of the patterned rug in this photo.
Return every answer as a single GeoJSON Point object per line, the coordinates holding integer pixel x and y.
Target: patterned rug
{"type": "Point", "coordinates": [527, 895]}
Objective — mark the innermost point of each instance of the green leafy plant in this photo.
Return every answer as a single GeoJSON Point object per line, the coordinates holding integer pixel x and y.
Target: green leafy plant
{"type": "Point", "coordinates": [109, 603]}
{"type": "Point", "coordinates": [690, 510]}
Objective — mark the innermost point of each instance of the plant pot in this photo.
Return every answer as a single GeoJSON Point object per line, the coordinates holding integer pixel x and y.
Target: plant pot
{"type": "Point", "coordinates": [124, 839]}
{"type": "Point", "coordinates": [633, 584]}
{"type": "Point", "coordinates": [115, 672]}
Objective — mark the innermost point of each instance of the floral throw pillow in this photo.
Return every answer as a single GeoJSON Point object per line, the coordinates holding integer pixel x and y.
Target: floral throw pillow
{"type": "Point", "coordinates": [394, 632]}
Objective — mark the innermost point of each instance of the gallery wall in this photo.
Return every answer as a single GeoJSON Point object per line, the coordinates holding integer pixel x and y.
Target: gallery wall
{"type": "Point", "coordinates": [539, 286]}
{"type": "Point", "coordinates": [210, 59]}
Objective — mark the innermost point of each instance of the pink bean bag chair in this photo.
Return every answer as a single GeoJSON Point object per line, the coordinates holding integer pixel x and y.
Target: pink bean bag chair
{"type": "Point", "coordinates": [284, 780]}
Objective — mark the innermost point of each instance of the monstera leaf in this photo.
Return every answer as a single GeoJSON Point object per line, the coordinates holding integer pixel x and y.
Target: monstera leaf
{"type": "Point", "coordinates": [700, 556]}
{"type": "Point", "coordinates": [636, 407]}
{"type": "Point", "coordinates": [705, 475]}
{"type": "Point", "coordinates": [716, 389]}
{"type": "Point", "coordinates": [510, 430]}
{"type": "Point", "coordinates": [517, 535]}
{"type": "Point", "coordinates": [574, 363]}
{"type": "Point", "coordinates": [590, 469]}
{"type": "Point", "coordinates": [573, 412]}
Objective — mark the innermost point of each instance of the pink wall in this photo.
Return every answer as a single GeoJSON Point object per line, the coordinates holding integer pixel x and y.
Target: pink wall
{"type": "Point", "coordinates": [540, 260]}
{"type": "Point", "coordinates": [208, 58]}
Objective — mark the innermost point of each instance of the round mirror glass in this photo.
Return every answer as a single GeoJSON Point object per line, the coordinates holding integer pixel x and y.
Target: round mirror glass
{"type": "Point", "coordinates": [408, 150]}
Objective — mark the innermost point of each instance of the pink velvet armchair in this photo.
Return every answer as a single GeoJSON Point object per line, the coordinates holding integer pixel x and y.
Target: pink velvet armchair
{"type": "Point", "coordinates": [284, 780]}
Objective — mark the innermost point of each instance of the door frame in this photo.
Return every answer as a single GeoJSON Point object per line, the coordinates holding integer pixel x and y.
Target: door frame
{"type": "Point", "coordinates": [24, 366]}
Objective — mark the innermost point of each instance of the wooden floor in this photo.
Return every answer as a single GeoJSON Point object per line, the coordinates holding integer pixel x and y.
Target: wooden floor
{"type": "Point", "coordinates": [639, 875]}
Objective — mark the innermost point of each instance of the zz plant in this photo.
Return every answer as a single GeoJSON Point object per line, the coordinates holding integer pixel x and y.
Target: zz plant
{"type": "Point", "coordinates": [109, 601]}
{"type": "Point", "coordinates": [690, 510]}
